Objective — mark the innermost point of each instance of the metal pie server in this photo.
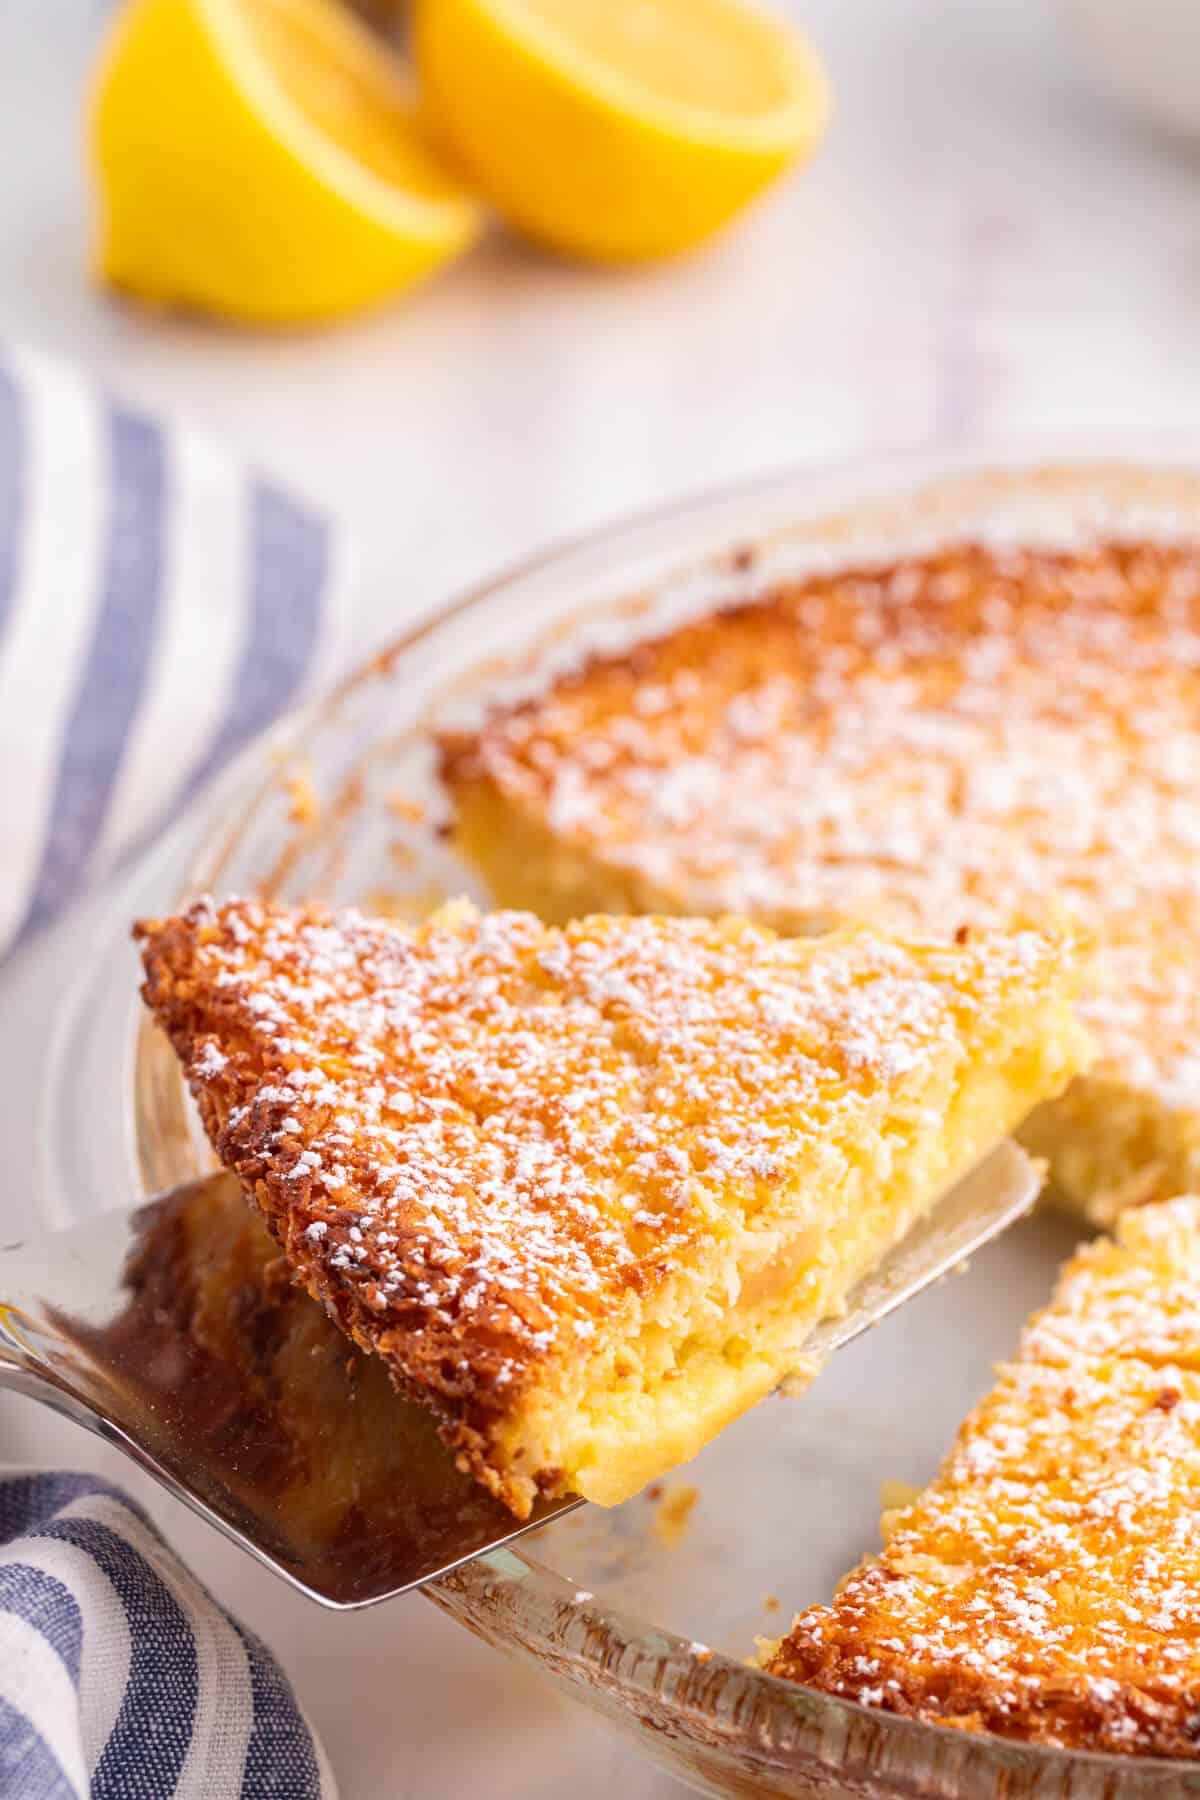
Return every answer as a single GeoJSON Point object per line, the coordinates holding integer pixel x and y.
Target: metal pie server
{"type": "Point", "coordinates": [176, 1333]}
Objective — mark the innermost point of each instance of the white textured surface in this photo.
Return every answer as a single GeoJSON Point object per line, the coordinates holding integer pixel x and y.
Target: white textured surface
{"type": "Point", "coordinates": [983, 248]}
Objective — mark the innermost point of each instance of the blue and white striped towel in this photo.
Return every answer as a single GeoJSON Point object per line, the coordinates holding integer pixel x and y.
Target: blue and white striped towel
{"type": "Point", "coordinates": [159, 604]}
{"type": "Point", "coordinates": [120, 1676]}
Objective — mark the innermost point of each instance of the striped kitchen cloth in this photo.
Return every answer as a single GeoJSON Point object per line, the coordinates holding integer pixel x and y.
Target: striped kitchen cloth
{"type": "Point", "coordinates": [120, 1676]}
{"type": "Point", "coordinates": [159, 604]}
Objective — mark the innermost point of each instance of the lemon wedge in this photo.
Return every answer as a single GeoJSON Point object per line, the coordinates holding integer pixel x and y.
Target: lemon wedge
{"type": "Point", "coordinates": [618, 129]}
{"type": "Point", "coordinates": [262, 159]}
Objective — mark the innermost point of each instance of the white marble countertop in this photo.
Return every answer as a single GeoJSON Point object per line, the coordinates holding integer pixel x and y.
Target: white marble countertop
{"type": "Point", "coordinates": [983, 249]}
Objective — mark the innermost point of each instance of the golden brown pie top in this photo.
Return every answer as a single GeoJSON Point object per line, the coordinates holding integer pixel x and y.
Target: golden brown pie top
{"type": "Point", "coordinates": [481, 1139]}
{"type": "Point", "coordinates": [1047, 1584]}
{"type": "Point", "coordinates": [950, 738]}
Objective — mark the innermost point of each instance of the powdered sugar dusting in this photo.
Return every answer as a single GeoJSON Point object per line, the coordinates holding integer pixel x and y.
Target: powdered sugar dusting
{"type": "Point", "coordinates": [1046, 1583]}
{"type": "Point", "coordinates": [944, 740]}
{"type": "Point", "coordinates": [488, 1127]}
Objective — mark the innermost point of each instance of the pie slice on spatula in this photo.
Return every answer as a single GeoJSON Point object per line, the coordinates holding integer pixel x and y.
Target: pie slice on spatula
{"type": "Point", "coordinates": [588, 1190]}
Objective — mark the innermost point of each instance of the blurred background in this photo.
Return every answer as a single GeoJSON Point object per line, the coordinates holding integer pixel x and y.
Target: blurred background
{"type": "Point", "coordinates": [983, 245]}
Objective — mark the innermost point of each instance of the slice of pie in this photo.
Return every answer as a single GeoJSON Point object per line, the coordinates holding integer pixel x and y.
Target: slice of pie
{"type": "Point", "coordinates": [588, 1190]}
{"type": "Point", "coordinates": [1047, 1584]}
{"type": "Point", "coordinates": [944, 739]}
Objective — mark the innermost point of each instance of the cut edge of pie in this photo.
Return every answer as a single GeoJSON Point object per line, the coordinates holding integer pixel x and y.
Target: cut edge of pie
{"type": "Point", "coordinates": [588, 1191]}
{"type": "Point", "coordinates": [928, 739]}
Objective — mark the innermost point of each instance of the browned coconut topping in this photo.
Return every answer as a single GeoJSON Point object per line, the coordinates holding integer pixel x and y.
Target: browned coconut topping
{"type": "Point", "coordinates": [951, 738]}
{"type": "Point", "coordinates": [1047, 1584]}
{"type": "Point", "coordinates": [497, 1150]}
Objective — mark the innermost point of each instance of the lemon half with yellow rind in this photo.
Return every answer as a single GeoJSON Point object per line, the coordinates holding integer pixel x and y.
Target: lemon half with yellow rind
{"type": "Point", "coordinates": [263, 160]}
{"type": "Point", "coordinates": [618, 129]}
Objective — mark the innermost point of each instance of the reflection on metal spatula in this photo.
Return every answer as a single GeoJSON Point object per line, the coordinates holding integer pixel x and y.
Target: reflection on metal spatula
{"type": "Point", "coordinates": [175, 1333]}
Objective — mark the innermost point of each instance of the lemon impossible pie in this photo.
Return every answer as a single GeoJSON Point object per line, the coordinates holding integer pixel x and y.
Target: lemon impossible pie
{"type": "Point", "coordinates": [946, 739]}
{"type": "Point", "coordinates": [587, 1190]}
{"type": "Point", "coordinates": [1047, 1584]}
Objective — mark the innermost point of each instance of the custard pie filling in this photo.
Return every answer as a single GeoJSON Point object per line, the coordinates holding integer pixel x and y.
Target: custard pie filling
{"type": "Point", "coordinates": [967, 737]}
{"type": "Point", "coordinates": [588, 1190]}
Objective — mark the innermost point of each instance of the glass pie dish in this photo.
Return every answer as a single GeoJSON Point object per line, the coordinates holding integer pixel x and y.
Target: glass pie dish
{"type": "Point", "coordinates": [647, 1613]}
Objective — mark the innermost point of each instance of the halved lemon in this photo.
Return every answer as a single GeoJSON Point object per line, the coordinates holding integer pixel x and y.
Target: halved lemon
{"type": "Point", "coordinates": [618, 129]}
{"type": "Point", "coordinates": [262, 159]}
